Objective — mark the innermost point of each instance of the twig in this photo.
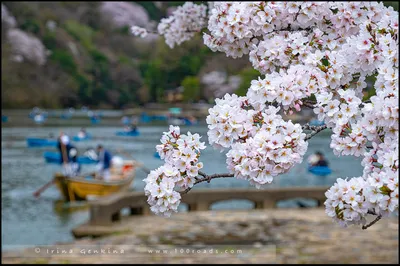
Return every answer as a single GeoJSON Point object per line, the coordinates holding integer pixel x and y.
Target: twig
{"type": "Point", "coordinates": [315, 130]}
{"type": "Point", "coordinates": [372, 223]}
{"type": "Point", "coordinates": [208, 179]}
{"type": "Point", "coordinates": [309, 104]}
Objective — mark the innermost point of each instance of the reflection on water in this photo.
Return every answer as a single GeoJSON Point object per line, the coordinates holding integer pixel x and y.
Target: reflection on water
{"type": "Point", "coordinates": [30, 221]}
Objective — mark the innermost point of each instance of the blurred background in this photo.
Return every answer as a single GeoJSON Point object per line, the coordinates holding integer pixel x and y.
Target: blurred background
{"type": "Point", "coordinates": [76, 65]}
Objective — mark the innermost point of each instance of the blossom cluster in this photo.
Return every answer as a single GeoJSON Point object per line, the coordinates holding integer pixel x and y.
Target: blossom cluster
{"type": "Point", "coordinates": [27, 46]}
{"type": "Point", "coordinates": [274, 149]}
{"type": "Point", "coordinates": [349, 201]}
{"type": "Point", "coordinates": [229, 121]}
{"type": "Point", "coordinates": [138, 31]}
{"type": "Point", "coordinates": [181, 155]}
{"type": "Point", "coordinates": [120, 14]}
{"type": "Point", "coordinates": [262, 144]}
{"type": "Point", "coordinates": [185, 21]}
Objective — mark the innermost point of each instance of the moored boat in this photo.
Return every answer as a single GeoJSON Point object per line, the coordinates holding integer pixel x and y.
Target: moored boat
{"type": "Point", "coordinates": [38, 142]}
{"type": "Point", "coordinates": [128, 133]}
{"type": "Point", "coordinates": [320, 170]}
{"type": "Point", "coordinates": [55, 157]}
{"type": "Point", "coordinates": [79, 138]}
{"type": "Point", "coordinates": [81, 188]}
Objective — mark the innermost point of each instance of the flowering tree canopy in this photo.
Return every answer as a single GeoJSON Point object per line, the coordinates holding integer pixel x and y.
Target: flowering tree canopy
{"type": "Point", "coordinates": [310, 55]}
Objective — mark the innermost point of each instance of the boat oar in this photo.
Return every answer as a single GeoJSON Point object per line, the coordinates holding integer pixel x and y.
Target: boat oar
{"type": "Point", "coordinates": [37, 193]}
{"type": "Point", "coordinates": [140, 164]}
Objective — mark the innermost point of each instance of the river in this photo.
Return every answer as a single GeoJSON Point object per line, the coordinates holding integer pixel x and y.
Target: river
{"type": "Point", "coordinates": [30, 221]}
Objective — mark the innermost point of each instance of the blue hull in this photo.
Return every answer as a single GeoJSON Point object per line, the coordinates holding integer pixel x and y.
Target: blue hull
{"type": "Point", "coordinates": [129, 134]}
{"type": "Point", "coordinates": [76, 138]}
{"type": "Point", "coordinates": [156, 155]}
{"type": "Point", "coordinates": [95, 120]}
{"type": "Point", "coordinates": [4, 118]}
{"type": "Point", "coordinates": [36, 142]}
{"type": "Point", "coordinates": [55, 157]}
{"type": "Point", "coordinates": [320, 170]}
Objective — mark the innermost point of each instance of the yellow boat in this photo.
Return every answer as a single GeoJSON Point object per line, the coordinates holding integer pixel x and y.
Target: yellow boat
{"type": "Point", "coordinates": [79, 188]}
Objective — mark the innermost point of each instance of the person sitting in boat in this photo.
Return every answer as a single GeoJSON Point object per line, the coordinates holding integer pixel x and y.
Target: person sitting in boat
{"type": "Point", "coordinates": [133, 126]}
{"type": "Point", "coordinates": [82, 133]}
{"type": "Point", "coordinates": [318, 159]}
{"type": "Point", "coordinates": [104, 163]}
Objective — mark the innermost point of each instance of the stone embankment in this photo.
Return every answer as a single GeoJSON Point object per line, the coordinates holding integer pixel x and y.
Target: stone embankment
{"type": "Point", "coordinates": [245, 236]}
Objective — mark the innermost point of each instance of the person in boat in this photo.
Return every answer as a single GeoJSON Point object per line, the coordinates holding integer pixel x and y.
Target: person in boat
{"type": "Point", "coordinates": [104, 163]}
{"type": "Point", "coordinates": [82, 133]}
{"type": "Point", "coordinates": [318, 159]}
{"type": "Point", "coordinates": [134, 123]}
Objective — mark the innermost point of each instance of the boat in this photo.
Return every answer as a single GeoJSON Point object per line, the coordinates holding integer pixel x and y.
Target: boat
{"type": "Point", "coordinates": [55, 157]}
{"type": "Point", "coordinates": [38, 142]}
{"type": "Point", "coordinates": [4, 118]}
{"type": "Point", "coordinates": [85, 187]}
{"type": "Point", "coordinates": [78, 138]}
{"type": "Point", "coordinates": [133, 133]}
{"type": "Point", "coordinates": [95, 120]}
{"type": "Point", "coordinates": [156, 155]}
{"type": "Point", "coordinates": [320, 170]}
{"type": "Point", "coordinates": [144, 118]}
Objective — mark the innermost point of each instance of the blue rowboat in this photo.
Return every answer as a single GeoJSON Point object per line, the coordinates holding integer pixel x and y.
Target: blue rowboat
{"type": "Point", "coordinates": [156, 155]}
{"type": "Point", "coordinates": [77, 138]}
{"type": "Point", "coordinates": [95, 120]}
{"type": "Point", "coordinates": [4, 118]}
{"type": "Point", "coordinates": [144, 118]}
{"type": "Point", "coordinates": [38, 142]}
{"type": "Point", "coordinates": [128, 133]}
{"type": "Point", "coordinates": [55, 157]}
{"type": "Point", "coordinates": [320, 170]}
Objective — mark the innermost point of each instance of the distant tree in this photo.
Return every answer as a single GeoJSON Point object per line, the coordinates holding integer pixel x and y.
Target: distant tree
{"type": "Point", "coordinates": [191, 88]}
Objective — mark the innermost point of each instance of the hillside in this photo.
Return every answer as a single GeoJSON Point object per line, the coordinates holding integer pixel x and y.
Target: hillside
{"type": "Point", "coordinates": [70, 54]}
{"type": "Point", "coordinates": [61, 54]}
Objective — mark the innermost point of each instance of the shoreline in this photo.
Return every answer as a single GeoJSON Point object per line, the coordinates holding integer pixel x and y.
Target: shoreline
{"type": "Point", "coordinates": [271, 235]}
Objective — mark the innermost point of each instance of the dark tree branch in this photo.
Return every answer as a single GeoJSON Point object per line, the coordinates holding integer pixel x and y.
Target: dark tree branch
{"type": "Point", "coordinates": [207, 178]}
{"type": "Point", "coordinates": [309, 104]}
{"type": "Point", "coordinates": [373, 222]}
{"type": "Point", "coordinates": [314, 130]}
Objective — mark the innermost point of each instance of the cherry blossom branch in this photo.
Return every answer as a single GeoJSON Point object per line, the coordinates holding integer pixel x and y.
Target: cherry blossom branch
{"type": "Point", "coordinates": [314, 130]}
{"type": "Point", "coordinates": [207, 178]}
{"type": "Point", "coordinates": [373, 222]}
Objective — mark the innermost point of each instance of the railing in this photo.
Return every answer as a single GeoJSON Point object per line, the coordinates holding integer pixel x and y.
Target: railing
{"type": "Point", "coordinates": [107, 210]}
